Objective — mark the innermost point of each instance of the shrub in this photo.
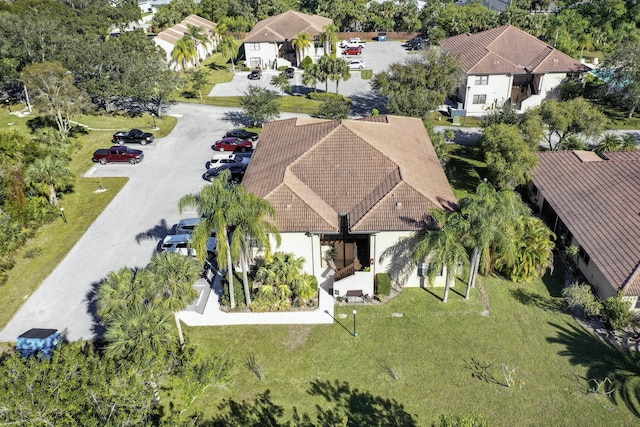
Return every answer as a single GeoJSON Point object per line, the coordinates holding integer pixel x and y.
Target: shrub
{"type": "Point", "coordinates": [366, 74]}
{"type": "Point", "coordinates": [617, 311]}
{"type": "Point", "coordinates": [282, 68]}
{"type": "Point", "coordinates": [579, 296]}
{"type": "Point", "coordinates": [306, 62]}
{"type": "Point", "coordinates": [323, 96]}
{"type": "Point", "coordinates": [383, 284]}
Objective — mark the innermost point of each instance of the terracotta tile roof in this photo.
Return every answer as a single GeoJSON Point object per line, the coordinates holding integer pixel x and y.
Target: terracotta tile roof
{"type": "Point", "coordinates": [175, 33]}
{"type": "Point", "coordinates": [508, 49]}
{"type": "Point", "coordinates": [382, 171]}
{"type": "Point", "coordinates": [599, 202]}
{"type": "Point", "coordinates": [286, 26]}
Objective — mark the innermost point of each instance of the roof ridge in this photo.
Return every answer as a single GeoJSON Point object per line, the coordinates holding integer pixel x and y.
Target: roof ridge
{"type": "Point", "coordinates": [314, 202]}
{"type": "Point", "coordinates": [364, 216]}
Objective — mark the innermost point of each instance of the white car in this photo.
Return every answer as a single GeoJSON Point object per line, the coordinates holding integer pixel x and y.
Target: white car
{"type": "Point", "coordinates": [352, 42]}
{"type": "Point", "coordinates": [219, 159]}
{"type": "Point", "coordinates": [179, 243]}
{"type": "Point", "coordinates": [186, 225]}
{"type": "Point", "coordinates": [356, 65]}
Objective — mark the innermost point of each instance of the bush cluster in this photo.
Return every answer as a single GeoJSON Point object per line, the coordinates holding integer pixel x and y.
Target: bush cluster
{"type": "Point", "coordinates": [383, 284]}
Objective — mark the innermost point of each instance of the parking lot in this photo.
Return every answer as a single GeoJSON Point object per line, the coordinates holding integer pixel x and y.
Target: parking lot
{"type": "Point", "coordinates": [376, 55]}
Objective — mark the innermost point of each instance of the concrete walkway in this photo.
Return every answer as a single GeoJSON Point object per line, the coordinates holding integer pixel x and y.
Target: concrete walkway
{"type": "Point", "coordinates": [212, 315]}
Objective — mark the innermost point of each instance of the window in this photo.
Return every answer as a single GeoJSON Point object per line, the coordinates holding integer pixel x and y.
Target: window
{"type": "Point", "coordinates": [254, 46]}
{"type": "Point", "coordinates": [479, 99]}
{"type": "Point", "coordinates": [254, 62]}
{"type": "Point", "coordinates": [482, 80]}
{"type": "Point", "coordinates": [584, 255]}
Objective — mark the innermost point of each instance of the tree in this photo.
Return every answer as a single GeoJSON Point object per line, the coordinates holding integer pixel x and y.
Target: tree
{"type": "Point", "coordinates": [217, 205]}
{"type": "Point", "coordinates": [49, 175]}
{"type": "Point", "coordinates": [229, 48]}
{"type": "Point", "coordinates": [608, 142]}
{"type": "Point", "coordinates": [333, 108]}
{"type": "Point", "coordinates": [329, 35]}
{"type": "Point", "coordinates": [252, 224]}
{"type": "Point", "coordinates": [259, 105]}
{"type": "Point", "coordinates": [184, 52]}
{"type": "Point", "coordinates": [509, 159]}
{"type": "Point", "coordinates": [580, 296]}
{"type": "Point", "coordinates": [443, 248]}
{"type": "Point", "coordinates": [281, 81]}
{"type": "Point", "coordinates": [301, 42]}
{"type": "Point", "coordinates": [312, 75]}
{"type": "Point", "coordinates": [199, 80]}
{"type": "Point", "coordinates": [339, 70]}
{"type": "Point", "coordinates": [420, 84]}
{"type": "Point", "coordinates": [281, 281]}
{"type": "Point", "coordinates": [575, 116]}
{"type": "Point", "coordinates": [53, 91]}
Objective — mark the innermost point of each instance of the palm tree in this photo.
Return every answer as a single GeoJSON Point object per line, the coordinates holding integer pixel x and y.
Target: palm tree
{"type": "Point", "coordinates": [301, 42]}
{"type": "Point", "coordinates": [251, 224]}
{"type": "Point", "coordinates": [218, 206]}
{"type": "Point", "coordinates": [281, 276]}
{"type": "Point", "coordinates": [184, 52]}
{"type": "Point", "coordinates": [199, 36]}
{"type": "Point", "coordinates": [310, 77]}
{"type": "Point", "coordinates": [322, 71]}
{"type": "Point", "coordinates": [339, 71]}
{"type": "Point", "coordinates": [329, 34]}
{"type": "Point", "coordinates": [49, 174]}
{"type": "Point", "coordinates": [443, 248]}
{"type": "Point", "coordinates": [228, 48]}
{"type": "Point", "coordinates": [122, 288]}
{"type": "Point", "coordinates": [172, 277]}
{"type": "Point", "coordinates": [608, 142]}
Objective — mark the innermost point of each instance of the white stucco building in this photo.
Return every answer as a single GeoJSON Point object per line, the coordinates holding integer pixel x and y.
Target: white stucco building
{"type": "Point", "coordinates": [168, 38]}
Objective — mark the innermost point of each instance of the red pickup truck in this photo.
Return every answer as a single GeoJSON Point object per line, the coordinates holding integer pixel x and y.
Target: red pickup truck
{"type": "Point", "coordinates": [117, 154]}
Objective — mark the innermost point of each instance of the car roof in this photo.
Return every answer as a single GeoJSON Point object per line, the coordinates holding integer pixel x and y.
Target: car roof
{"type": "Point", "coordinates": [189, 221]}
{"type": "Point", "coordinates": [176, 238]}
{"type": "Point", "coordinates": [217, 156]}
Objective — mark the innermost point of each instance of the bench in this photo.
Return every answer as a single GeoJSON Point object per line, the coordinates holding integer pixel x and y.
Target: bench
{"type": "Point", "coordinates": [355, 295]}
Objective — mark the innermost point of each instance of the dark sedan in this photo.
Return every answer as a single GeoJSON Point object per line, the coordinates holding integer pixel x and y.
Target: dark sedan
{"type": "Point", "coordinates": [255, 75]}
{"type": "Point", "coordinates": [232, 144]}
{"type": "Point", "coordinates": [133, 135]}
{"type": "Point", "coordinates": [237, 171]}
{"type": "Point", "coordinates": [242, 134]}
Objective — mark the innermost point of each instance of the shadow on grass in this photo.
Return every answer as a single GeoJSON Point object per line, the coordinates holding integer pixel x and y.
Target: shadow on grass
{"type": "Point", "coordinates": [603, 361]}
{"type": "Point", "coordinates": [360, 408]}
{"type": "Point", "coordinates": [555, 280]}
{"type": "Point", "coordinates": [216, 67]}
{"type": "Point", "coordinates": [527, 297]}
{"type": "Point", "coordinates": [463, 169]}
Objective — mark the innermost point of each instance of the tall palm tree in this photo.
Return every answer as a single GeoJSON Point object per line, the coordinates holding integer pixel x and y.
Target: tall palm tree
{"type": "Point", "coordinates": [443, 249]}
{"type": "Point", "coordinates": [218, 206]}
{"type": "Point", "coordinates": [301, 42]}
{"type": "Point", "coordinates": [184, 52]}
{"type": "Point", "coordinates": [330, 35]}
{"type": "Point", "coordinates": [199, 36]}
{"type": "Point", "coordinates": [122, 288]}
{"type": "Point", "coordinates": [310, 76]}
{"type": "Point", "coordinates": [322, 71]}
{"type": "Point", "coordinates": [229, 48]}
{"type": "Point", "coordinates": [48, 175]}
{"type": "Point", "coordinates": [252, 224]}
{"type": "Point", "coordinates": [339, 71]}
{"type": "Point", "coordinates": [172, 277]}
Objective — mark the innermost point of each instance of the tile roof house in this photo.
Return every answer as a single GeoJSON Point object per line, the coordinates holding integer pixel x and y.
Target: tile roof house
{"type": "Point", "coordinates": [593, 202]}
{"type": "Point", "coordinates": [348, 192]}
{"type": "Point", "coordinates": [508, 64]}
{"type": "Point", "coordinates": [168, 38]}
{"type": "Point", "coordinates": [269, 44]}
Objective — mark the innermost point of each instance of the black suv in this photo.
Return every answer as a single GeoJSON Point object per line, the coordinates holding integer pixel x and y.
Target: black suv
{"type": "Point", "coordinates": [290, 72]}
{"type": "Point", "coordinates": [242, 134]}
{"type": "Point", "coordinates": [237, 171]}
{"type": "Point", "coordinates": [255, 75]}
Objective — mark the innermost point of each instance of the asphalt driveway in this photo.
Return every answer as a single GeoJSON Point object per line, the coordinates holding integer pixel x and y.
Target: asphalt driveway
{"type": "Point", "coordinates": [128, 231]}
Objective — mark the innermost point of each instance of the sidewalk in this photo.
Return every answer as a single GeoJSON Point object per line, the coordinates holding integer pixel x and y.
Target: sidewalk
{"type": "Point", "coordinates": [213, 316]}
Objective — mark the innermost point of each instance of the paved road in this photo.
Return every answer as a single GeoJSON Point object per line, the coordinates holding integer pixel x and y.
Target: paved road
{"type": "Point", "coordinates": [128, 231]}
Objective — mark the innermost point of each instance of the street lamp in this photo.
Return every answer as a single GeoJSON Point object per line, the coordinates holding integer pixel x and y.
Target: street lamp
{"type": "Point", "coordinates": [64, 217]}
{"type": "Point", "coordinates": [355, 334]}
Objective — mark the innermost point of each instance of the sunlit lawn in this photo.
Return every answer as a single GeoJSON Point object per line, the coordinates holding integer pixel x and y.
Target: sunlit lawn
{"type": "Point", "coordinates": [429, 350]}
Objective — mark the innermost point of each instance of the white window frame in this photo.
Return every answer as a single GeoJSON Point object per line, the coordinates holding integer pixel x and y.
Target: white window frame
{"type": "Point", "coordinates": [482, 80]}
{"type": "Point", "coordinates": [479, 97]}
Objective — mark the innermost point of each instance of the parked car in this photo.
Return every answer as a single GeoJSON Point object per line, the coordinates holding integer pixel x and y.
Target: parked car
{"type": "Point", "coordinates": [255, 75]}
{"type": "Point", "coordinates": [237, 172]}
{"type": "Point", "coordinates": [186, 225]}
{"type": "Point", "coordinates": [412, 41]}
{"type": "Point", "coordinates": [290, 72]}
{"type": "Point", "coordinates": [117, 153]}
{"type": "Point", "coordinates": [219, 159]}
{"type": "Point", "coordinates": [356, 65]}
{"type": "Point", "coordinates": [352, 42]}
{"type": "Point", "coordinates": [242, 134]}
{"type": "Point", "coordinates": [180, 243]}
{"type": "Point", "coordinates": [232, 144]}
{"type": "Point", "coordinates": [133, 135]}
{"type": "Point", "coordinates": [352, 51]}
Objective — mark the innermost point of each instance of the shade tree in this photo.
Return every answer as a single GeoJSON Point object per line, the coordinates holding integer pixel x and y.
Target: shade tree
{"type": "Point", "coordinates": [259, 105]}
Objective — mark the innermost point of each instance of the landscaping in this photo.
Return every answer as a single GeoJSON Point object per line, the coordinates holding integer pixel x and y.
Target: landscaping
{"type": "Point", "coordinates": [433, 359]}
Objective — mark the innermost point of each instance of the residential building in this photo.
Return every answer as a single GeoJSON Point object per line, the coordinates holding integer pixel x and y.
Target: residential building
{"type": "Point", "coordinates": [269, 45]}
{"type": "Point", "coordinates": [350, 195]}
{"type": "Point", "coordinates": [506, 64]}
{"type": "Point", "coordinates": [593, 203]}
{"type": "Point", "coordinates": [168, 38]}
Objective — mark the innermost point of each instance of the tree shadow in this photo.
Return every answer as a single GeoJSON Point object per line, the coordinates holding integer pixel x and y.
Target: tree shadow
{"type": "Point", "coordinates": [467, 137]}
{"type": "Point", "coordinates": [527, 297]}
{"type": "Point", "coordinates": [463, 174]}
{"type": "Point", "coordinates": [400, 257]}
{"type": "Point", "coordinates": [216, 67]}
{"type": "Point", "coordinates": [554, 279]}
{"type": "Point", "coordinates": [603, 361]}
{"type": "Point", "coordinates": [362, 104]}
{"type": "Point", "coordinates": [237, 118]}
{"type": "Point", "coordinates": [155, 233]}
{"type": "Point", "coordinates": [299, 90]}
{"type": "Point", "coordinates": [98, 328]}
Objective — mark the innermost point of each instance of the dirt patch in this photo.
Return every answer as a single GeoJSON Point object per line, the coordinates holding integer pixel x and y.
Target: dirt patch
{"type": "Point", "coordinates": [485, 299]}
{"type": "Point", "coordinates": [298, 336]}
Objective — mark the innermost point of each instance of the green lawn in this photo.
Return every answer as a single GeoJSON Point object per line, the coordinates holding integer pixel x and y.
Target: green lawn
{"type": "Point", "coordinates": [429, 350]}
{"type": "Point", "coordinates": [41, 254]}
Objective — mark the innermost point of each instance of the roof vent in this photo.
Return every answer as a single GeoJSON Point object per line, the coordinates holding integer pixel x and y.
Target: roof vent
{"type": "Point", "coordinates": [398, 204]}
{"type": "Point", "coordinates": [555, 59]}
{"type": "Point", "coordinates": [495, 61]}
{"type": "Point", "coordinates": [287, 205]}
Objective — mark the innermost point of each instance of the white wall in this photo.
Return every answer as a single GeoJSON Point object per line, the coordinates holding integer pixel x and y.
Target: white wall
{"type": "Point", "coordinates": [497, 91]}
{"type": "Point", "coordinates": [265, 54]}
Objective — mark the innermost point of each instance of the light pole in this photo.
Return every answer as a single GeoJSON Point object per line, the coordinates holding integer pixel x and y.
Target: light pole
{"type": "Point", "coordinates": [355, 334]}
{"type": "Point", "coordinates": [64, 217]}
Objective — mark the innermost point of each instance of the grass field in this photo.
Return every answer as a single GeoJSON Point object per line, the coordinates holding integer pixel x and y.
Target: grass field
{"type": "Point", "coordinates": [424, 360]}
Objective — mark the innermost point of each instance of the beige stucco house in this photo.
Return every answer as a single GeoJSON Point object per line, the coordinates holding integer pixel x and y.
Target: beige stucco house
{"type": "Point", "coordinates": [168, 38]}
{"type": "Point", "coordinates": [269, 45]}
{"type": "Point", "coordinates": [593, 202]}
{"type": "Point", "coordinates": [350, 194]}
{"type": "Point", "coordinates": [507, 64]}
